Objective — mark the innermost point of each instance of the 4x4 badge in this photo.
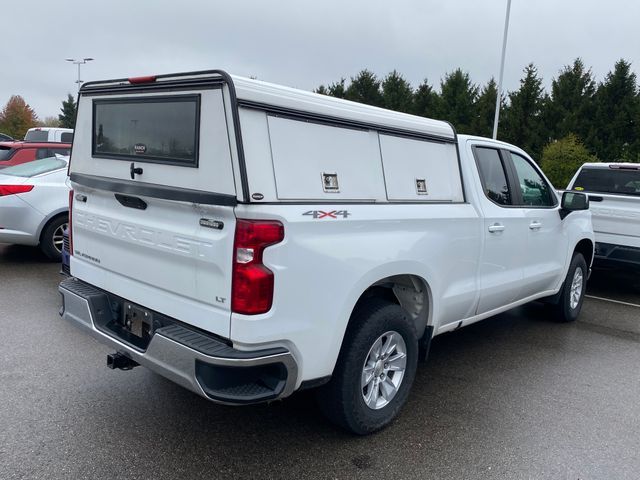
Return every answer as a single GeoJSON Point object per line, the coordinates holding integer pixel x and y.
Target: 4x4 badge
{"type": "Point", "coordinates": [319, 214]}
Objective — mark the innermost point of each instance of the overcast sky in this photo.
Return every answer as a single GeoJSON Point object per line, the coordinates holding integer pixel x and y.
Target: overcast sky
{"type": "Point", "coordinates": [304, 43]}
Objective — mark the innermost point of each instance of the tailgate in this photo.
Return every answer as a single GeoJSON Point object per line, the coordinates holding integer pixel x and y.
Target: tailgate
{"type": "Point", "coordinates": [616, 219]}
{"type": "Point", "coordinates": [154, 194]}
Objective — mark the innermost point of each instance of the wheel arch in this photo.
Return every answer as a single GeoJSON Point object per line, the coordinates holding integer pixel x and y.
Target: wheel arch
{"type": "Point", "coordinates": [402, 285]}
{"type": "Point", "coordinates": [50, 218]}
{"type": "Point", "coordinates": [586, 247]}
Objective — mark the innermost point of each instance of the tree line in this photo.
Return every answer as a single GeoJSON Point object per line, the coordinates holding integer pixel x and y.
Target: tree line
{"type": "Point", "coordinates": [17, 117]}
{"type": "Point", "coordinates": [577, 121]}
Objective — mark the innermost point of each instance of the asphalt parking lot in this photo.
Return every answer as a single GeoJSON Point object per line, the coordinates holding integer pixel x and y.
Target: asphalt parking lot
{"type": "Point", "coordinates": [514, 397]}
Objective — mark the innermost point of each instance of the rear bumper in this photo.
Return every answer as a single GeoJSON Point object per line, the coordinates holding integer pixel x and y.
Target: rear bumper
{"type": "Point", "coordinates": [608, 254]}
{"type": "Point", "coordinates": [189, 357]}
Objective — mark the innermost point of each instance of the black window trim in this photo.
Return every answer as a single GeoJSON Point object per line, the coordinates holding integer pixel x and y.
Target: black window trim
{"type": "Point", "coordinates": [516, 181]}
{"type": "Point", "coordinates": [149, 159]}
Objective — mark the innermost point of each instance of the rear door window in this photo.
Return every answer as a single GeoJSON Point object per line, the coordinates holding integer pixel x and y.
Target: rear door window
{"type": "Point", "coordinates": [493, 176]}
{"type": "Point", "coordinates": [156, 129]}
{"type": "Point", "coordinates": [617, 181]}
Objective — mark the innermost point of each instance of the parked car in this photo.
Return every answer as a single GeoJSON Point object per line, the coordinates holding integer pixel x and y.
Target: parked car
{"type": "Point", "coordinates": [615, 190]}
{"type": "Point", "coordinates": [49, 134]}
{"type": "Point", "coordinates": [5, 138]}
{"type": "Point", "coordinates": [34, 204]}
{"type": "Point", "coordinates": [248, 240]}
{"type": "Point", "coordinates": [15, 153]}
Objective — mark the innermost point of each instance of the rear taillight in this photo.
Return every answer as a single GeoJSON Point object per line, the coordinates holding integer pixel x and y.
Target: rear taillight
{"type": "Point", "coordinates": [252, 287]}
{"type": "Point", "coordinates": [13, 189]}
{"type": "Point", "coordinates": [69, 226]}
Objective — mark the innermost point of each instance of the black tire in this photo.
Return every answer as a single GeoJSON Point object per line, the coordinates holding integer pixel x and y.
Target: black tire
{"type": "Point", "coordinates": [50, 247]}
{"type": "Point", "coordinates": [341, 400]}
{"type": "Point", "coordinates": [563, 311]}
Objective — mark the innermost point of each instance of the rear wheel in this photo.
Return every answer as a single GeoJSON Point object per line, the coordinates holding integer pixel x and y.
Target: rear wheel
{"type": "Point", "coordinates": [375, 369]}
{"type": "Point", "coordinates": [52, 236]}
{"type": "Point", "coordinates": [570, 303]}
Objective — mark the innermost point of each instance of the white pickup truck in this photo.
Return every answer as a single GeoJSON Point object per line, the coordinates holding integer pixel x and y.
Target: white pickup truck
{"type": "Point", "coordinates": [248, 240]}
{"type": "Point", "coordinates": [49, 134]}
{"type": "Point", "coordinates": [615, 190]}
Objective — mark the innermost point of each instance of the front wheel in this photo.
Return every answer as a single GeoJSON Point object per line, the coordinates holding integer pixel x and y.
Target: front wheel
{"type": "Point", "coordinates": [575, 284]}
{"type": "Point", "coordinates": [375, 369]}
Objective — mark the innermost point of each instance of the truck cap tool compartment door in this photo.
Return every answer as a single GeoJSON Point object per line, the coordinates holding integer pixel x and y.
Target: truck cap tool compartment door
{"type": "Point", "coordinates": [152, 217]}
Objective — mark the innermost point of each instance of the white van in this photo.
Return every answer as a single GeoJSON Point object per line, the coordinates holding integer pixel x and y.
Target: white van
{"type": "Point", "coordinates": [248, 240]}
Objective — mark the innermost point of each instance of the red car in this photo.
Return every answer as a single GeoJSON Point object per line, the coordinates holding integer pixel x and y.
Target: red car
{"type": "Point", "coordinates": [14, 153]}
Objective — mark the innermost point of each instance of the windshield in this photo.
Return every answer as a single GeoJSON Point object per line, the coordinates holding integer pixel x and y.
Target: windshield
{"type": "Point", "coordinates": [609, 180]}
{"type": "Point", "coordinates": [36, 167]}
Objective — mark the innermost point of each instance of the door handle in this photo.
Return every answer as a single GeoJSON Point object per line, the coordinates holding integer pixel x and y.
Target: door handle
{"type": "Point", "coordinates": [496, 227]}
{"type": "Point", "coordinates": [535, 225]}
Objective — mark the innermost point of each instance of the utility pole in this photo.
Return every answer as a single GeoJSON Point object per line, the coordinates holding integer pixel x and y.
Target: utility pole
{"type": "Point", "coordinates": [79, 63]}
{"type": "Point", "coordinates": [504, 51]}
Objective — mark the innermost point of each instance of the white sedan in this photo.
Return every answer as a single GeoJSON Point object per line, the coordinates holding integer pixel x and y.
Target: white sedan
{"type": "Point", "coordinates": [34, 204]}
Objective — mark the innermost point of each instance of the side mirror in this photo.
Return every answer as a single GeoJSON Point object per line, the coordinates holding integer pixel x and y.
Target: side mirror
{"type": "Point", "coordinates": [573, 201]}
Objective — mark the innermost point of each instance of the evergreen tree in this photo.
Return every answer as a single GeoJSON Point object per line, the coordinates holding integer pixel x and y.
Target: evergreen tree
{"type": "Point", "coordinates": [570, 108]}
{"type": "Point", "coordinates": [68, 116]}
{"type": "Point", "coordinates": [365, 88]}
{"type": "Point", "coordinates": [457, 100]}
{"type": "Point", "coordinates": [522, 122]}
{"type": "Point", "coordinates": [425, 100]}
{"type": "Point", "coordinates": [397, 93]}
{"type": "Point", "coordinates": [615, 133]}
{"type": "Point", "coordinates": [485, 110]}
{"type": "Point", "coordinates": [17, 117]}
{"type": "Point", "coordinates": [337, 89]}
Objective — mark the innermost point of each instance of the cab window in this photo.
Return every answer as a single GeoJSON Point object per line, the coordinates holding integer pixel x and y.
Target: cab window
{"type": "Point", "coordinates": [535, 190]}
{"type": "Point", "coordinates": [493, 175]}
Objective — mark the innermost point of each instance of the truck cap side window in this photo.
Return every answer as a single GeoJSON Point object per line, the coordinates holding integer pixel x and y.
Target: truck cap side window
{"type": "Point", "coordinates": [493, 176]}
{"type": "Point", "coordinates": [536, 192]}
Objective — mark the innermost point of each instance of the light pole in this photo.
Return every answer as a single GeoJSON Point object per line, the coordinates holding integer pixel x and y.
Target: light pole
{"type": "Point", "coordinates": [79, 62]}
{"type": "Point", "coordinates": [504, 51]}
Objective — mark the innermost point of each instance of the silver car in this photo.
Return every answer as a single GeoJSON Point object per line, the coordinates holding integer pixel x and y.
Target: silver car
{"type": "Point", "coordinates": [34, 204]}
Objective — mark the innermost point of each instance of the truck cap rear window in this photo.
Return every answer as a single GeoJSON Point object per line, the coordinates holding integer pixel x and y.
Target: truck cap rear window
{"type": "Point", "coordinates": [36, 136]}
{"type": "Point", "coordinates": [606, 180]}
{"type": "Point", "coordinates": [155, 129]}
